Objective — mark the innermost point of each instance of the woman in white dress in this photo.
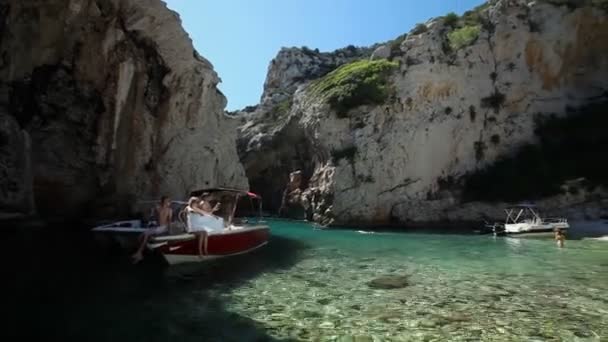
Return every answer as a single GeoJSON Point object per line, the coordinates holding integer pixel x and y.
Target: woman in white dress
{"type": "Point", "coordinates": [201, 221]}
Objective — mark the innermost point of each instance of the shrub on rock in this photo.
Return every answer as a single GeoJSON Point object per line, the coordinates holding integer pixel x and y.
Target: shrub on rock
{"type": "Point", "coordinates": [354, 84]}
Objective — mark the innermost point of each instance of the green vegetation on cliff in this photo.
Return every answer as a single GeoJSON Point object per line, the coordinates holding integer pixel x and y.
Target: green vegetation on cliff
{"type": "Point", "coordinates": [464, 31]}
{"type": "Point", "coordinates": [451, 19]}
{"type": "Point", "coordinates": [464, 36]}
{"type": "Point", "coordinates": [419, 29]}
{"type": "Point", "coordinates": [354, 84]}
{"type": "Point", "coordinates": [568, 148]}
{"type": "Point", "coordinates": [282, 108]}
{"type": "Point", "coordinates": [474, 17]}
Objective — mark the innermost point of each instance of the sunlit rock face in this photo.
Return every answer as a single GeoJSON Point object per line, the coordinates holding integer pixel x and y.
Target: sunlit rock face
{"type": "Point", "coordinates": [270, 144]}
{"type": "Point", "coordinates": [113, 104]}
{"type": "Point", "coordinates": [460, 103]}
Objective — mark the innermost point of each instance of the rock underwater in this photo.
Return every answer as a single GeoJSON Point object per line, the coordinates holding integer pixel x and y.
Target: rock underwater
{"type": "Point", "coordinates": [389, 282]}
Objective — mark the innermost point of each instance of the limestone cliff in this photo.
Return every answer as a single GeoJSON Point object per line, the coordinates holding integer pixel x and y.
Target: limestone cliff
{"type": "Point", "coordinates": [104, 102]}
{"type": "Point", "coordinates": [270, 146]}
{"type": "Point", "coordinates": [465, 95]}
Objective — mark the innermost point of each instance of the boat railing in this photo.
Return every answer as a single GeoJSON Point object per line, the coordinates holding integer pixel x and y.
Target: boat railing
{"type": "Point", "coordinates": [555, 220]}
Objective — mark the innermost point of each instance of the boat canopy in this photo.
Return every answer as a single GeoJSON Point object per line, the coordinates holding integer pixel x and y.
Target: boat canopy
{"type": "Point", "coordinates": [522, 206]}
{"type": "Point", "coordinates": [199, 192]}
{"type": "Point", "coordinates": [515, 213]}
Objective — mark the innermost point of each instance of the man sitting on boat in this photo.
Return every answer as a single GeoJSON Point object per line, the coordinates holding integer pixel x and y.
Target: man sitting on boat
{"type": "Point", "coordinates": [164, 212]}
{"type": "Point", "coordinates": [201, 221]}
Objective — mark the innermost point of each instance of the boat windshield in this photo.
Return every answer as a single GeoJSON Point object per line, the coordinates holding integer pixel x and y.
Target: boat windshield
{"type": "Point", "coordinates": [236, 206]}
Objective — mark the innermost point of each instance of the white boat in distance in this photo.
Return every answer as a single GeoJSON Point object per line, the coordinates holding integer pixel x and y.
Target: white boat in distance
{"type": "Point", "coordinates": [525, 220]}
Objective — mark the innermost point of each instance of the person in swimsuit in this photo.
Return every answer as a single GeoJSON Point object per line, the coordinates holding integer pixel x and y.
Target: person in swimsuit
{"type": "Point", "coordinates": [560, 238]}
{"type": "Point", "coordinates": [201, 221]}
{"type": "Point", "coordinates": [165, 215]}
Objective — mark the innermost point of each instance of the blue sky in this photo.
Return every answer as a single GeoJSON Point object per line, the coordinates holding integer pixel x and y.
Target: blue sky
{"type": "Point", "coordinates": [240, 37]}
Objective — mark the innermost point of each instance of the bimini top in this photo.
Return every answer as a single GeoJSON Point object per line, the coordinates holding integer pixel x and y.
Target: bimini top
{"type": "Point", "coordinates": [212, 190]}
{"type": "Point", "coordinates": [522, 206]}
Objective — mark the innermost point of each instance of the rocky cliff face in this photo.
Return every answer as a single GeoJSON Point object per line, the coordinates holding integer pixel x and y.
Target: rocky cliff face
{"type": "Point", "coordinates": [104, 102]}
{"type": "Point", "coordinates": [467, 93]}
{"type": "Point", "coordinates": [271, 145]}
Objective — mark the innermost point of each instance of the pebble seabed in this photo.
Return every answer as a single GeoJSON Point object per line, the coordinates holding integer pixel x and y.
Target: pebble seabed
{"type": "Point", "coordinates": [433, 288]}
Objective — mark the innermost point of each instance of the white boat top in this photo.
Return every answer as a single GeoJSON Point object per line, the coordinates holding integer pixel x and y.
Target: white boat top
{"type": "Point", "coordinates": [528, 213]}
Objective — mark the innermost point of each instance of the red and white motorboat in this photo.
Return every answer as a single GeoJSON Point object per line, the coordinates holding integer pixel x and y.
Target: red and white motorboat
{"type": "Point", "coordinates": [245, 231]}
{"type": "Point", "coordinates": [232, 241]}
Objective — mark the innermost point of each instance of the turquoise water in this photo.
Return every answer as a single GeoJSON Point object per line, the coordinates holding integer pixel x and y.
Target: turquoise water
{"type": "Point", "coordinates": [308, 285]}
{"type": "Point", "coordinates": [461, 287]}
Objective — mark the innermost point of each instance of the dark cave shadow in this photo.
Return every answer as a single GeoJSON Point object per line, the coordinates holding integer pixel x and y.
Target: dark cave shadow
{"type": "Point", "coordinates": [70, 289]}
{"type": "Point", "coordinates": [279, 253]}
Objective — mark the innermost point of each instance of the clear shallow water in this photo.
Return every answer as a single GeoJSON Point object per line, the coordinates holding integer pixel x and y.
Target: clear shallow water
{"type": "Point", "coordinates": [462, 287]}
{"type": "Point", "coordinates": [314, 285]}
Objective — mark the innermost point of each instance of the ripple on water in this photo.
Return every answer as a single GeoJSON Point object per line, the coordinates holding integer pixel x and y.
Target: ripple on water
{"type": "Point", "coordinates": [454, 287]}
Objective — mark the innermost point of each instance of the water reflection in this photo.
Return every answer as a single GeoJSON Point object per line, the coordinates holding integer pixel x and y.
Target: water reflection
{"type": "Point", "coordinates": [514, 244]}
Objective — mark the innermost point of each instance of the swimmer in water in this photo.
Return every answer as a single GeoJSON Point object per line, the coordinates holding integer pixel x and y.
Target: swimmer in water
{"type": "Point", "coordinates": [560, 237]}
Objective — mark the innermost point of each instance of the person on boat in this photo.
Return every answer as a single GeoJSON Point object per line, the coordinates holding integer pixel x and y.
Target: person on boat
{"type": "Point", "coordinates": [202, 221]}
{"type": "Point", "coordinates": [205, 205]}
{"type": "Point", "coordinates": [165, 214]}
{"type": "Point", "coordinates": [560, 237]}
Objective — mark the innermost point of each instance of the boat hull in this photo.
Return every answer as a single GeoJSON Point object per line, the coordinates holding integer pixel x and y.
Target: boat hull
{"type": "Point", "coordinates": [525, 230]}
{"type": "Point", "coordinates": [525, 227]}
{"type": "Point", "coordinates": [184, 248]}
{"type": "Point", "coordinates": [535, 233]}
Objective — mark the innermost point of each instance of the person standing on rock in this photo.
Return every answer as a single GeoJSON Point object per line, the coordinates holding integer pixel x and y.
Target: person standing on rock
{"type": "Point", "coordinates": [165, 214]}
{"type": "Point", "coordinates": [295, 180]}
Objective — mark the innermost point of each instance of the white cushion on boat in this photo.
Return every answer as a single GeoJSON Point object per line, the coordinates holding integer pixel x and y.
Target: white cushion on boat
{"type": "Point", "coordinates": [197, 223]}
